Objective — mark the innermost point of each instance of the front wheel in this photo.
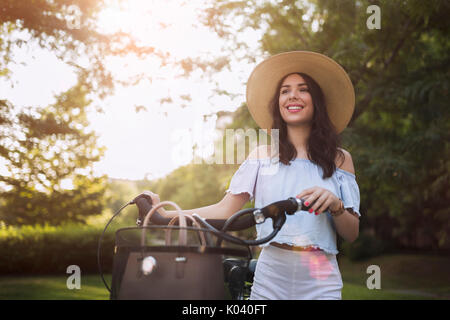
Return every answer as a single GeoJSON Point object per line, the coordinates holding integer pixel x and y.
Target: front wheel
{"type": "Point", "coordinates": [238, 275]}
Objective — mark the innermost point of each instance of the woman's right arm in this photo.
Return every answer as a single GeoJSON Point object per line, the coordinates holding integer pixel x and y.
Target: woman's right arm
{"type": "Point", "coordinates": [230, 204]}
{"type": "Point", "coordinates": [225, 208]}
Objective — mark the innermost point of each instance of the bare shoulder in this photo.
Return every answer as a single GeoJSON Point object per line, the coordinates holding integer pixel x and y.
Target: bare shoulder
{"type": "Point", "coordinates": [260, 152]}
{"type": "Point", "coordinates": [345, 163]}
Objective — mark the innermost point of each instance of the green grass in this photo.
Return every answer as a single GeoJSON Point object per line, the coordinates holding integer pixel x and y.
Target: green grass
{"type": "Point", "coordinates": [52, 288]}
{"type": "Point", "coordinates": [359, 292]}
{"type": "Point", "coordinates": [402, 277]}
{"type": "Point", "coordinates": [401, 274]}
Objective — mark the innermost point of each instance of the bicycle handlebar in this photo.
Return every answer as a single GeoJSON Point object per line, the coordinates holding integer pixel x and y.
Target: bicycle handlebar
{"type": "Point", "coordinates": [277, 211]}
{"type": "Point", "coordinates": [273, 210]}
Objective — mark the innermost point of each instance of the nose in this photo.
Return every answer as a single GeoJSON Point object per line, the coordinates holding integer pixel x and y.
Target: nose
{"type": "Point", "coordinates": [294, 95]}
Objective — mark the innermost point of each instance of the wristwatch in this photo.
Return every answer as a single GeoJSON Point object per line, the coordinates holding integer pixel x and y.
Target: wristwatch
{"type": "Point", "coordinates": [339, 211]}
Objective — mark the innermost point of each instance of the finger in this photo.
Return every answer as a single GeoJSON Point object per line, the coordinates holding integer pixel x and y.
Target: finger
{"type": "Point", "coordinates": [318, 203]}
{"type": "Point", "coordinates": [305, 193]}
{"type": "Point", "coordinates": [153, 196]}
{"type": "Point", "coordinates": [324, 205]}
{"type": "Point", "coordinates": [312, 198]}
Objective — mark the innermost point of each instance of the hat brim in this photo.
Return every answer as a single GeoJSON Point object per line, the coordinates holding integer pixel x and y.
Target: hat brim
{"type": "Point", "coordinates": [330, 76]}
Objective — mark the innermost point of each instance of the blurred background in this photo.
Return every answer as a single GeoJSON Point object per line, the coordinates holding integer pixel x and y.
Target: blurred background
{"type": "Point", "coordinates": [100, 100]}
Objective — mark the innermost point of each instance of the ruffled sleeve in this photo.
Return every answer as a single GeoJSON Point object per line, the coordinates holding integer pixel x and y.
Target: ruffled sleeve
{"type": "Point", "coordinates": [244, 179]}
{"type": "Point", "coordinates": [349, 190]}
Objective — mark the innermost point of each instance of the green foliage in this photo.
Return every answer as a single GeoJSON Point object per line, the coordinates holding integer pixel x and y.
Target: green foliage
{"type": "Point", "coordinates": [398, 136]}
{"type": "Point", "coordinates": [242, 119]}
{"type": "Point", "coordinates": [48, 249]}
{"type": "Point", "coordinates": [118, 193]}
{"type": "Point", "coordinates": [48, 156]}
{"type": "Point", "coordinates": [366, 246]}
{"type": "Point", "coordinates": [51, 25]}
{"type": "Point", "coordinates": [46, 150]}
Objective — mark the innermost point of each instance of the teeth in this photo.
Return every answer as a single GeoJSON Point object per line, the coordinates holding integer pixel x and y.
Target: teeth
{"type": "Point", "coordinates": [295, 108]}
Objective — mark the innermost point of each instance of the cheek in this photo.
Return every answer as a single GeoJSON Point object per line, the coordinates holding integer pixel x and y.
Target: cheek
{"type": "Point", "coordinates": [281, 103]}
{"type": "Point", "coordinates": [307, 98]}
{"type": "Point", "coordinates": [281, 100]}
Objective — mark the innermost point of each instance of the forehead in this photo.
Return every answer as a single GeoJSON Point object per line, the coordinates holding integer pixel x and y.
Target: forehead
{"type": "Point", "coordinates": [293, 79]}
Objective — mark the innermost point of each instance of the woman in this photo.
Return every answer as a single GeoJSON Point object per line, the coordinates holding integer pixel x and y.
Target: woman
{"type": "Point", "coordinates": [309, 99]}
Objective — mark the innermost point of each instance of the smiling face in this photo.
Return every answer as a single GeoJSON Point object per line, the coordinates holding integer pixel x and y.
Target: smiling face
{"type": "Point", "coordinates": [295, 101]}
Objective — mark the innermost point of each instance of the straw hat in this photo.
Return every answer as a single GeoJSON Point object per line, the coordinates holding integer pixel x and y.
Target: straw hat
{"type": "Point", "coordinates": [329, 75]}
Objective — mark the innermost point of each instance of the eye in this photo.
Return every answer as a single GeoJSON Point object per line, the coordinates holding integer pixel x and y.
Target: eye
{"type": "Point", "coordinates": [284, 91]}
{"type": "Point", "coordinates": [304, 89]}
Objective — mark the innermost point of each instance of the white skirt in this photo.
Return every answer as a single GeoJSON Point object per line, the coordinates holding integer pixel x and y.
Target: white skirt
{"type": "Point", "coordinates": [296, 275]}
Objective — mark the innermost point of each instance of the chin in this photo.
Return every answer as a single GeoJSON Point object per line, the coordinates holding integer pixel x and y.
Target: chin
{"type": "Point", "coordinates": [297, 123]}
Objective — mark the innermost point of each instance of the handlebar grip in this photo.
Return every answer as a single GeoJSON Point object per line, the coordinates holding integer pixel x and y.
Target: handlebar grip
{"type": "Point", "coordinates": [273, 210]}
{"type": "Point", "coordinates": [144, 206]}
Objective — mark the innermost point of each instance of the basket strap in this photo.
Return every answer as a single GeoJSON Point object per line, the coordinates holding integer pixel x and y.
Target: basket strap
{"type": "Point", "coordinates": [182, 239]}
{"type": "Point", "coordinates": [194, 223]}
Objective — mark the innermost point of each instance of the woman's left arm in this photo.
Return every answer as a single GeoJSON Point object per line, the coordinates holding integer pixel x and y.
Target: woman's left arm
{"type": "Point", "coordinates": [347, 223]}
{"type": "Point", "coordinates": [347, 226]}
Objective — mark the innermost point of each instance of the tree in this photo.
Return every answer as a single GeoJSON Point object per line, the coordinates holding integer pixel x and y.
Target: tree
{"type": "Point", "coordinates": [49, 157]}
{"type": "Point", "coordinates": [399, 133]}
{"type": "Point", "coordinates": [68, 29]}
{"type": "Point", "coordinates": [47, 151]}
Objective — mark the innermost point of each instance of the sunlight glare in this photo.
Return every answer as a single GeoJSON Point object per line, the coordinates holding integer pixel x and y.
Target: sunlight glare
{"type": "Point", "coordinates": [168, 25]}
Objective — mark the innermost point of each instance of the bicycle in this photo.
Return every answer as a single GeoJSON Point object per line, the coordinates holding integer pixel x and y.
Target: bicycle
{"type": "Point", "coordinates": [178, 271]}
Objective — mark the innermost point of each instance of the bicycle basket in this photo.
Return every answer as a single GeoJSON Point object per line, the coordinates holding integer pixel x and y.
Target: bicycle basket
{"type": "Point", "coordinates": [180, 271]}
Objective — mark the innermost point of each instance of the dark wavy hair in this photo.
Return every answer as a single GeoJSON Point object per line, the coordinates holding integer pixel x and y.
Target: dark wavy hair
{"type": "Point", "coordinates": [324, 141]}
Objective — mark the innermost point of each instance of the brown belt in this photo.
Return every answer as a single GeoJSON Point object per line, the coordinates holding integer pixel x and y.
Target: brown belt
{"type": "Point", "coordinates": [294, 248]}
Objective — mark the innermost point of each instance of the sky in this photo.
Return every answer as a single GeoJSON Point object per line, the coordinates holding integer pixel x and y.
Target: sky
{"type": "Point", "coordinates": [152, 142]}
